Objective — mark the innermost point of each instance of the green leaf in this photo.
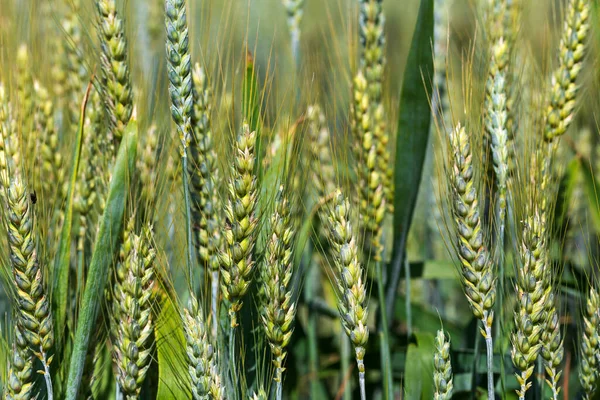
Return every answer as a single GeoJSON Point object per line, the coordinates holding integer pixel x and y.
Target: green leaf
{"type": "Point", "coordinates": [411, 138]}
{"type": "Point", "coordinates": [60, 284]}
{"type": "Point", "coordinates": [174, 380]}
{"type": "Point", "coordinates": [251, 108]}
{"type": "Point", "coordinates": [418, 379]}
{"type": "Point", "coordinates": [591, 191]}
{"type": "Point", "coordinates": [105, 247]}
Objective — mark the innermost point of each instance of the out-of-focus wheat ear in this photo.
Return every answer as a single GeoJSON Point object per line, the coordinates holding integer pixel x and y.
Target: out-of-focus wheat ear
{"type": "Point", "coordinates": [4, 127]}
{"type": "Point", "coordinates": [25, 96]}
{"type": "Point", "coordinates": [278, 307]}
{"type": "Point", "coordinates": [116, 81]}
{"type": "Point", "coordinates": [372, 63]}
{"type": "Point", "coordinates": [237, 264]}
{"type": "Point", "coordinates": [205, 176]}
{"type": "Point", "coordinates": [294, 9]}
{"type": "Point", "coordinates": [202, 356]}
{"type": "Point", "coordinates": [132, 323]}
{"type": "Point", "coordinates": [552, 345]}
{"type": "Point", "coordinates": [147, 165]}
{"type": "Point", "coordinates": [52, 162]}
{"type": "Point", "coordinates": [20, 374]}
{"type": "Point", "coordinates": [478, 274]}
{"type": "Point", "coordinates": [589, 345]}
{"type": "Point", "coordinates": [32, 304]}
{"type": "Point", "coordinates": [532, 296]}
{"type": "Point", "coordinates": [180, 70]}
{"type": "Point", "coordinates": [371, 200]}
{"type": "Point", "coordinates": [350, 280]}
{"type": "Point", "coordinates": [74, 62]}
{"type": "Point", "coordinates": [442, 369]}
{"type": "Point", "coordinates": [571, 51]}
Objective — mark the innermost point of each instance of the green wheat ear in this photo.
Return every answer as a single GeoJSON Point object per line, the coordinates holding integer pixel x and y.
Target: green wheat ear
{"type": "Point", "coordinates": [590, 345]}
{"type": "Point", "coordinates": [442, 369]}
{"type": "Point", "coordinates": [237, 264]}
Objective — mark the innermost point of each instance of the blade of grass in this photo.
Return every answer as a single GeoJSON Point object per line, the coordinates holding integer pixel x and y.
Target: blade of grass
{"type": "Point", "coordinates": [60, 284]}
{"type": "Point", "coordinates": [105, 247]}
{"type": "Point", "coordinates": [174, 379]}
{"type": "Point", "coordinates": [411, 140]}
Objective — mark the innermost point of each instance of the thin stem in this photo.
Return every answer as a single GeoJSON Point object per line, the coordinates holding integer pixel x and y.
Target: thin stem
{"type": "Point", "coordinates": [490, 360]}
{"type": "Point", "coordinates": [345, 354]}
{"type": "Point", "coordinates": [232, 367]}
{"type": "Point", "coordinates": [188, 219]}
{"type": "Point", "coordinates": [47, 376]}
{"type": "Point", "coordinates": [407, 301]}
{"type": "Point", "coordinates": [313, 350]}
{"type": "Point", "coordinates": [279, 387]}
{"type": "Point", "coordinates": [475, 365]}
{"type": "Point", "coordinates": [214, 301]}
{"type": "Point", "coordinates": [361, 379]}
{"type": "Point", "coordinates": [386, 367]}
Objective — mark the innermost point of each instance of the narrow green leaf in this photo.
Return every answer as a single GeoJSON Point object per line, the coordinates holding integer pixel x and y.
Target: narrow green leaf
{"type": "Point", "coordinates": [251, 108]}
{"type": "Point", "coordinates": [591, 191]}
{"type": "Point", "coordinates": [418, 379]}
{"type": "Point", "coordinates": [105, 248]}
{"type": "Point", "coordinates": [411, 139]}
{"type": "Point", "coordinates": [174, 380]}
{"type": "Point", "coordinates": [60, 284]}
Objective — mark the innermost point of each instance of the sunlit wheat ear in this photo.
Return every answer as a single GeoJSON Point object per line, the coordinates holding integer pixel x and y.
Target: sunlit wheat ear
{"type": "Point", "coordinates": [202, 356]}
{"type": "Point", "coordinates": [32, 304]}
{"type": "Point", "coordinates": [116, 80]}
{"type": "Point", "coordinates": [278, 308]}
{"type": "Point", "coordinates": [180, 70]}
{"type": "Point", "coordinates": [237, 264]}
{"type": "Point", "coordinates": [372, 64]}
{"type": "Point", "coordinates": [532, 295]}
{"type": "Point", "coordinates": [552, 344]}
{"type": "Point", "coordinates": [442, 369]}
{"type": "Point", "coordinates": [294, 9]}
{"type": "Point", "coordinates": [371, 200]}
{"type": "Point", "coordinates": [204, 173]}
{"type": "Point", "coordinates": [132, 323]}
{"type": "Point", "coordinates": [4, 127]}
{"type": "Point", "coordinates": [589, 345]}
{"type": "Point", "coordinates": [51, 159]}
{"type": "Point", "coordinates": [477, 272]}
{"type": "Point", "coordinates": [349, 278]}
{"type": "Point", "coordinates": [563, 90]}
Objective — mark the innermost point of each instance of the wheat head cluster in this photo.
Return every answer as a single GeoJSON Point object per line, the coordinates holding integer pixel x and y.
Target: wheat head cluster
{"type": "Point", "coordinates": [391, 200]}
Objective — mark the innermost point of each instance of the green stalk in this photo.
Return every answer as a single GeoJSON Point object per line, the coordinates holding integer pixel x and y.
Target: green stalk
{"type": "Point", "coordinates": [386, 365]}
{"type": "Point", "coordinates": [188, 225]}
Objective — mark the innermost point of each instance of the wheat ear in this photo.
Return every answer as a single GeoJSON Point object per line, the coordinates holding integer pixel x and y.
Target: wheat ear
{"type": "Point", "coordinates": [278, 307]}
{"type": "Point", "coordinates": [350, 281]}
{"type": "Point", "coordinates": [202, 356]}
{"type": "Point", "coordinates": [552, 346]}
{"type": "Point", "coordinates": [20, 375]}
{"type": "Point", "coordinates": [237, 264]}
{"type": "Point", "coordinates": [33, 306]}
{"type": "Point", "coordinates": [204, 179]}
{"type": "Point", "coordinates": [477, 271]}
{"type": "Point", "coordinates": [442, 369]}
{"type": "Point", "coordinates": [132, 323]}
{"type": "Point", "coordinates": [294, 9]}
{"type": "Point", "coordinates": [118, 93]}
{"type": "Point", "coordinates": [590, 345]}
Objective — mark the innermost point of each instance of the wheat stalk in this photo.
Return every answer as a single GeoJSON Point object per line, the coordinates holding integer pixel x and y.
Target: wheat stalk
{"type": "Point", "coordinates": [132, 324]}
{"type": "Point", "coordinates": [350, 277]}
